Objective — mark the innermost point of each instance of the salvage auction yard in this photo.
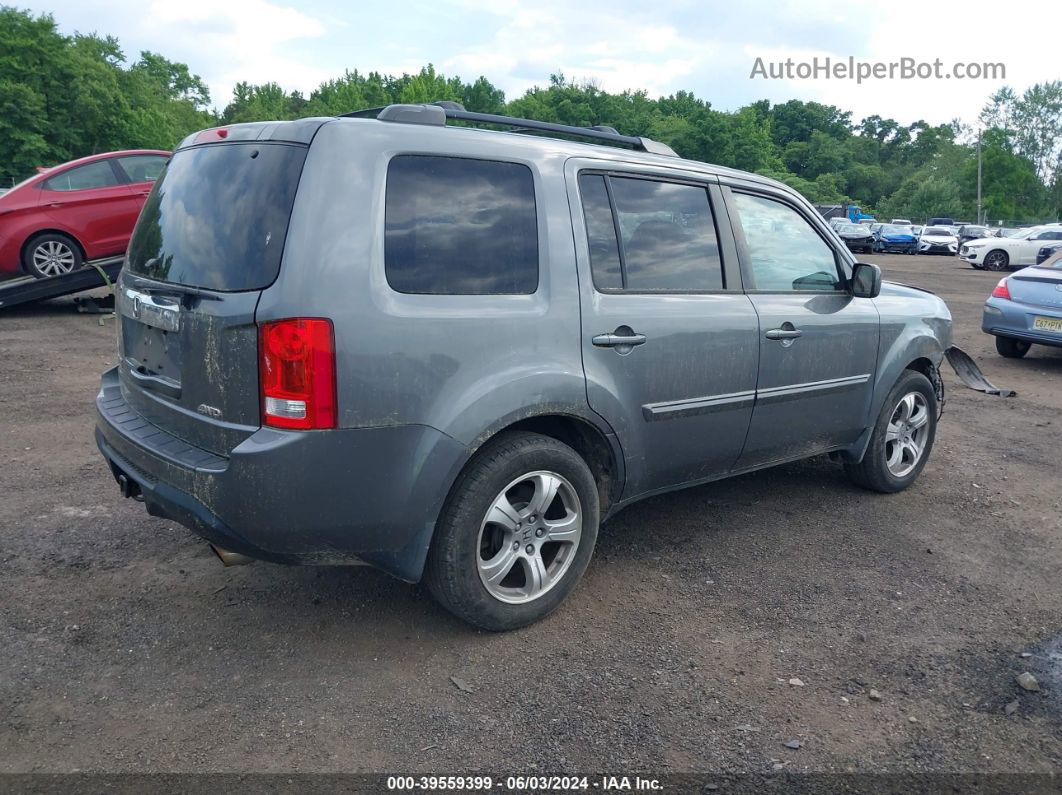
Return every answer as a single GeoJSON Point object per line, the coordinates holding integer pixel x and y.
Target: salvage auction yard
{"type": "Point", "coordinates": [713, 627]}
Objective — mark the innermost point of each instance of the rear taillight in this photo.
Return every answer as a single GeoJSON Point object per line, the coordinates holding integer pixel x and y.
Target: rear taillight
{"type": "Point", "coordinates": [1001, 290]}
{"type": "Point", "coordinates": [297, 369]}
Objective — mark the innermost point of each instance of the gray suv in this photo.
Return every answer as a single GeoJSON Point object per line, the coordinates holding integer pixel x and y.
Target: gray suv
{"type": "Point", "coordinates": [451, 352]}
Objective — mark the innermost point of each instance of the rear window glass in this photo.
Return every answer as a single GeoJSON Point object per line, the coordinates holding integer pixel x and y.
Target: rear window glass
{"type": "Point", "coordinates": [218, 215]}
{"type": "Point", "coordinates": [457, 226]}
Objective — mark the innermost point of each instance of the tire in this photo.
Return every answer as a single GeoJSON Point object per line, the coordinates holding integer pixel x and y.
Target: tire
{"type": "Point", "coordinates": [51, 254]}
{"type": "Point", "coordinates": [996, 260]}
{"type": "Point", "coordinates": [881, 469]}
{"type": "Point", "coordinates": [504, 482]}
{"type": "Point", "coordinates": [1012, 348]}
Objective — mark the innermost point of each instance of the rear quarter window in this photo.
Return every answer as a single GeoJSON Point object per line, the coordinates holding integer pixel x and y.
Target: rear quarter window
{"type": "Point", "coordinates": [458, 226]}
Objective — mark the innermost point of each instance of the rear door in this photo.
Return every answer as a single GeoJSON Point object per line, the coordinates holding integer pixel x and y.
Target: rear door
{"type": "Point", "coordinates": [93, 202]}
{"type": "Point", "coordinates": [208, 242]}
{"type": "Point", "coordinates": [140, 173]}
{"type": "Point", "coordinates": [818, 344]}
{"type": "Point", "coordinates": [669, 340]}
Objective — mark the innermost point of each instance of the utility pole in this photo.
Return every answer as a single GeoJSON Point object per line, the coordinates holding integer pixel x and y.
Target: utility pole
{"type": "Point", "coordinates": [979, 221]}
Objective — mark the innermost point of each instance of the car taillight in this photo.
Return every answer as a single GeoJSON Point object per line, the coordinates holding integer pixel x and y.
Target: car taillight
{"type": "Point", "coordinates": [1001, 290]}
{"type": "Point", "coordinates": [297, 370]}
{"type": "Point", "coordinates": [213, 134]}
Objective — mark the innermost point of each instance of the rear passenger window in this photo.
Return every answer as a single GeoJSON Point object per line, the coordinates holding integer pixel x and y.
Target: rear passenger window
{"type": "Point", "coordinates": [457, 226]}
{"type": "Point", "coordinates": [666, 235]}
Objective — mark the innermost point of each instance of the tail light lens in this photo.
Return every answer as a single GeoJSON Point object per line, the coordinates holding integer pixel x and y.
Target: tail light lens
{"type": "Point", "coordinates": [1001, 290]}
{"type": "Point", "coordinates": [297, 370]}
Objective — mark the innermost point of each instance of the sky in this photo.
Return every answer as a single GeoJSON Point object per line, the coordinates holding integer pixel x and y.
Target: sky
{"type": "Point", "coordinates": [704, 46]}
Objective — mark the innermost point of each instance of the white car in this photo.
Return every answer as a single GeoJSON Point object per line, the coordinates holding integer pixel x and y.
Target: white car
{"type": "Point", "coordinates": [1017, 251]}
{"type": "Point", "coordinates": [901, 222]}
{"type": "Point", "coordinates": [937, 240]}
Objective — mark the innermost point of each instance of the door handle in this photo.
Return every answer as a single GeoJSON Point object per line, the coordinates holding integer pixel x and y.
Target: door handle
{"type": "Point", "coordinates": [55, 205]}
{"type": "Point", "coordinates": [783, 333]}
{"type": "Point", "coordinates": [618, 340]}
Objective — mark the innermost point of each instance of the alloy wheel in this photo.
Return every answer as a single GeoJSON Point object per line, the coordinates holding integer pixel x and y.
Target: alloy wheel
{"type": "Point", "coordinates": [996, 261]}
{"type": "Point", "coordinates": [53, 258]}
{"type": "Point", "coordinates": [906, 436]}
{"type": "Point", "coordinates": [529, 537]}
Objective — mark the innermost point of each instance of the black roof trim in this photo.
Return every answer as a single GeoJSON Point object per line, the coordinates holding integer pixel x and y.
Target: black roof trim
{"type": "Point", "coordinates": [436, 114]}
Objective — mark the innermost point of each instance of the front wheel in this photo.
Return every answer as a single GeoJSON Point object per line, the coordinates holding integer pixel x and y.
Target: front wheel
{"type": "Point", "coordinates": [1011, 348]}
{"type": "Point", "coordinates": [997, 260]}
{"type": "Point", "coordinates": [516, 534]}
{"type": "Point", "coordinates": [51, 254]}
{"type": "Point", "coordinates": [902, 438]}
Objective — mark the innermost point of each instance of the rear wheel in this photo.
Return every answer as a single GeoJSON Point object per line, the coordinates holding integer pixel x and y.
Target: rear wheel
{"type": "Point", "coordinates": [1012, 348]}
{"type": "Point", "coordinates": [902, 439]}
{"type": "Point", "coordinates": [997, 260]}
{"type": "Point", "coordinates": [51, 254]}
{"type": "Point", "coordinates": [516, 534]}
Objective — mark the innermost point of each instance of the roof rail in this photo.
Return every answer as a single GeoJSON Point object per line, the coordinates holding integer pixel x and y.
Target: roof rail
{"type": "Point", "coordinates": [436, 114]}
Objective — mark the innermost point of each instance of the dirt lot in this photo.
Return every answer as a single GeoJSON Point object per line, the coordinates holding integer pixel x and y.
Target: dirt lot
{"type": "Point", "coordinates": [125, 646]}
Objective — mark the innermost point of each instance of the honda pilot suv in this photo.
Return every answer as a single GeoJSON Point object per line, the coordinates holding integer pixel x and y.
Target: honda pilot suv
{"type": "Point", "coordinates": [452, 352]}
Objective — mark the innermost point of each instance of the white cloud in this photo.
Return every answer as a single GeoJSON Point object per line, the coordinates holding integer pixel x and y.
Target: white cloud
{"type": "Point", "coordinates": [705, 47]}
{"type": "Point", "coordinates": [615, 52]}
{"type": "Point", "coordinates": [242, 40]}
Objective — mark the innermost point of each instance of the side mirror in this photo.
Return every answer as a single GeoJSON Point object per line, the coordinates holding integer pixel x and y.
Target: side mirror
{"type": "Point", "coordinates": [866, 280]}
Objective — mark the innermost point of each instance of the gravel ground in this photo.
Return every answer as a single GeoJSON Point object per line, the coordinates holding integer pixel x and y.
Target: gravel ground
{"type": "Point", "coordinates": [126, 647]}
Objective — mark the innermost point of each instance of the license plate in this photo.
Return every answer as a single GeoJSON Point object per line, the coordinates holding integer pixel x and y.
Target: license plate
{"type": "Point", "coordinates": [1048, 324]}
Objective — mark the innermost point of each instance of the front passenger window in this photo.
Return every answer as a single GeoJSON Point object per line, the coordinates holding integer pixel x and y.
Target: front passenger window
{"type": "Point", "coordinates": [786, 252]}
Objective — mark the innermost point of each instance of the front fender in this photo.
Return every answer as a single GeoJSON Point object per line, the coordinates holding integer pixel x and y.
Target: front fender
{"type": "Point", "coordinates": [914, 325]}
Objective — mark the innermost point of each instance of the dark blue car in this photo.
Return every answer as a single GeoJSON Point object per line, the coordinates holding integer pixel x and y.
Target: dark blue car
{"type": "Point", "coordinates": [1026, 308]}
{"type": "Point", "coordinates": [891, 237]}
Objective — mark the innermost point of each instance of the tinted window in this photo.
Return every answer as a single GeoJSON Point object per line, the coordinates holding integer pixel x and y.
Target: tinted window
{"type": "Point", "coordinates": [218, 215]}
{"type": "Point", "coordinates": [455, 226]}
{"type": "Point", "coordinates": [600, 233]}
{"type": "Point", "coordinates": [667, 235]}
{"type": "Point", "coordinates": [142, 168]}
{"type": "Point", "coordinates": [785, 251]}
{"type": "Point", "coordinates": [87, 177]}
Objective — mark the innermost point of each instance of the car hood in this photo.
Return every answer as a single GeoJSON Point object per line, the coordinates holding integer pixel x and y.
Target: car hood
{"type": "Point", "coordinates": [897, 236]}
{"type": "Point", "coordinates": [939, 238]}
{"type": "Point", "coordinates": [901, 290]}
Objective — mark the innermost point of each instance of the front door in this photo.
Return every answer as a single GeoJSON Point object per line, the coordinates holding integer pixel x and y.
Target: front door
{"type": "Point", "coordinates": [818, 344]}
{"type": "Point", "coordinates": [669, 340]}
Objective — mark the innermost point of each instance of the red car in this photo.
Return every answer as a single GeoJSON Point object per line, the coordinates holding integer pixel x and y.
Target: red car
{"type": "Point", "coordinates": [54, 222]}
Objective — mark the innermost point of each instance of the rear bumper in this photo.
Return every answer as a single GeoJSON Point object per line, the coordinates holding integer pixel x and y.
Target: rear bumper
{"type": "Point", "coordinates": [328, 497]}
{"type": "Point", "coordinates": [1004, 318]}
